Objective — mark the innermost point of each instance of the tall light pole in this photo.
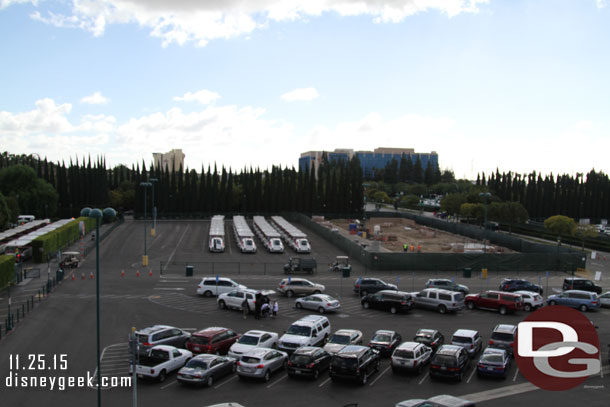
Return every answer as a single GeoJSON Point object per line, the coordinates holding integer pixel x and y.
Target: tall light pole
{"type": "Point", "coordinates": [486, 195]}
{"type": "Point", "coordinates": [145, 257]}
{"type": "Point", "coordinates": [154, 207]}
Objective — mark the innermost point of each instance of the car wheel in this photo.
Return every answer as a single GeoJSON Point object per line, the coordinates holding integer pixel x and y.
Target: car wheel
{"type": "Point", "coordinates": [210, 381]}
{"type": "Point", "coordinates": [393, 310]}
{"type": "Point", "coordinates": [442, 309]}
{"type": "Point", "coordinates": [365, 305]}
{"type": "Point", "coordinates": [527, 307]}
{"type": "Point", "coordinates": [470, 305]}
{"type": "Point", "coordinates": [289, 293]}
{"type": "Point", "coordinates": [583, 308]}
{"type": "Point", "coordinates": [364, 379]}
{"type": "Point", "coordinates": [377, 366]}
{"type": "Point", "coordinates": [222, 305]}
{"type": "Point", "coordinates": [364, 293]}
{"type": "Point", "coordinates": [207, 294]}
{"type": "Point", "coordinates": [460, 376]}
{"type": "Point", "coordinates": [552, 302]}
{"type": "Point", "coordinates": [267, 376]}
{"type": "Point", "coordinates": [503, 310]}
{"type": "Point", "coordinates": [317, 292]}
{"type": "Point", "coordinates": [162, 376]}
{"type": "Point", "coordinates": [321, 310]}
{"type": "Point", "coordinates": [316, 374]}
{"type": "Point", "coordinates": [233, 368]}
{"type": "Point", "coordinates": [298, 305]}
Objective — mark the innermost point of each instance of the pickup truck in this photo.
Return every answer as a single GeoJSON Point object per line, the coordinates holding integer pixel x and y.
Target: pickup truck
{"type": "Point", "coordinates": [297, 264]}
{"type": "Point", "coordinates": [161, 360]}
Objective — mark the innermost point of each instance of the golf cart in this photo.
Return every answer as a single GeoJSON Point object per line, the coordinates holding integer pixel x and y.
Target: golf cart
{"type": "Point", "coordinates": [69, 260]}
{"type": "Point", "coordinates": [341, 264]}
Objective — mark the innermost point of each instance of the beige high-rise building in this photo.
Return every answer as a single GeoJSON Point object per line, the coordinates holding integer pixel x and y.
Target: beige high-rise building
{"type": "Point", "coordinates": [172, 160]}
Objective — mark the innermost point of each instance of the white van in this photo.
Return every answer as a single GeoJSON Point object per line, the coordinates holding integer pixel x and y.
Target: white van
{"type": "Point", "coordinates": [25, 219]}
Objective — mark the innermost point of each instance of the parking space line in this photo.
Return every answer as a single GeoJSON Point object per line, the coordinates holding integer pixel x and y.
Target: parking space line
{"type": "Point", "coordinates": [516, 373]}
{"type": "Point", "coordinates": [424, 378]}
{"type": "Point", "coordinates": [169, 384]}
{"type": "Point", "coordinates": [175, 248]}
{"type": "Point", "coordinates": [277, 381]}
{"type": "Point", "coordinates": [379, 376]}
{"type": "Point", "coordinates": [471, 374]}
{"type": "Point", "coordinates": [324, 382]}
{"type": "Point", "coordinates": [226, 381]}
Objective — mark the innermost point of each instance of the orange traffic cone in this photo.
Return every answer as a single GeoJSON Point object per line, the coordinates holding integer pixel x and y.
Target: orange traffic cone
{"type": "Point", "coordinates": [137, 273]}
{"type": "Point", "coordinates": [91, 275]}
{"type": "Point", "coordinates": [150, 273]}
{"type": "Point", "coordinates": [122, 273]}
{"type": "Point", "coordinates": [82, 276]}
{"type": "Point", "coordinates": [73, 277]}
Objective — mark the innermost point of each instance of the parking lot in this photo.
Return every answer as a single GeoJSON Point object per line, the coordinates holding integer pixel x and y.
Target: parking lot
{"type": "Point", "coordinates": [65, 324]}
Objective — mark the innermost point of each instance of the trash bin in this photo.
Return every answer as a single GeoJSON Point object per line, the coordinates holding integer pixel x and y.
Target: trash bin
{"type": "Point", "coordinates": [59, 275]}
{"type": "Point", "coordinates": [467, 272]}
{"type": "Point", "coordinates": [189, 271]}
{"type": "Point", "coordinates": [346, 272]}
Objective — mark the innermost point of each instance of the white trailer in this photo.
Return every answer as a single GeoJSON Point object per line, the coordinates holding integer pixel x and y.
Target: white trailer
{"type": "Point", "coordinates": [270, 237]}
{"type": "Point", "coordinates": [291, 235]}
{"type": "Point", "coordinates": [243, 235]}
{"type": "Point", "coordinates": [217, 234]}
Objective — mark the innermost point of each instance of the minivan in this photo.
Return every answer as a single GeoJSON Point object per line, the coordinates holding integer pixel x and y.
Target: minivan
{"type": "Point", "coordinates": [440, 300]}
{"type": "Point", "coordinates": [581, 300]}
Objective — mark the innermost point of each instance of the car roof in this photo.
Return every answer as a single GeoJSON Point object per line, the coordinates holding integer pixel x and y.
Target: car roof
{"type": "Point", "coordinates": [524, 292]}
{"type": "Point", "coordinates": [318, 296]}
{"type": "Point", "coordinates": [426, 331]}
{"type": "Point", "coordinates": [575, 278]}
{"type": "Point", "coordinates": [501, 292]}
{"type": "Point", "coordinates": [153, 329]}
{"type": "Point", "coordinates": [490, 349]}
{"type": "Point", "coordinates": [166, 348]}
{"type": "Point", "coordinates": [255, 332]}
{"type": "Point", "coordinates": [214, 278]}
{"type": "Point", "coordinates": [206, 357]}
{"type": "Point", "coordinates": [393, 292]}
{"type": "Point", "coordinates": [448, 349]}
{"type": "Point", "coordinates": [295, 279]}
{"type": "Point", "coordinates": [465, 332]}
{"type": "Point", "coordinates": [578, 291]}
{"type": "Point", "coordinates": [352, 350]}
{"type": "Point", "coordinates": [347, 332]}
{"type": "Point", "coordinates": [505, 328]}
{"type": "Point", "coordinates": [210, 331]}
{"type": "Point", "coordinates": [312, 319]}
{"type": "Point", "coordinates": [306, 350]}
{"type": "Point", "coordinates": [450, 401]}
{"type": "Point", "coordinates": [409, 345]}
{"type": "Point", "coordinates": [440, 290]}
{"type": "Point", "coordinates": [439, 279]}
{"type": "Point", "coordinates": [384, 331]}
{"type": "Point", "coordinates": [257, 351]}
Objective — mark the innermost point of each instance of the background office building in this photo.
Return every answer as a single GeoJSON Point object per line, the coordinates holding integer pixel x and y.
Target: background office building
{"type": "Point", "coordinates": [172, 160]}
{"type": "Point", "coordinates": [369, 160]}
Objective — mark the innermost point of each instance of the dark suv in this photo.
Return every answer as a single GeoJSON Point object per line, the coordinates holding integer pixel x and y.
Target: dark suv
{"type": "Point", "coordinates": [364, 286]}
{"type": "Point", "coordinates": [575, 283]}
{"type": "Point", "coordinates": [212, 340]}
{"type": "Point", "coordinates": [446, 284]}
{"type": "Point", "coordinates": [430, 337]}
{"type": "Point", "coordinates": [495, 300]}
{"type": "Point", "coordinates": [354, 362]}
{"type": "Point", "coordinates": [308, 361]}
{"type": "Point", "coordinates": [449, 361]}
{"type": "Point", "coordinates": [389, 300]}
{"type": "Point", "coordinates": [160, 335]}
{"type": "Point", "coordinates": [517, 284]}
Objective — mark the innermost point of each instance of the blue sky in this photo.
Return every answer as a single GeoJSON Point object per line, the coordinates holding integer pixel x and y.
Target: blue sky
{"type": "Point", "coordinates": [514, 85]}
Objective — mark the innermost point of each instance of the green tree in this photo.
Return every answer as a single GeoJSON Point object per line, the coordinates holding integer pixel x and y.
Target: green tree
{"type": "Point", "coordinates": [560, 225]}
{"type": "Point", "coordinates": [452, 203]}
{"type": "Point", "coordinates": [34, 195]}
{"type": "Point", "coordinates": [4, 213]}
{"type": "Point", "coordinates": [584, 232]}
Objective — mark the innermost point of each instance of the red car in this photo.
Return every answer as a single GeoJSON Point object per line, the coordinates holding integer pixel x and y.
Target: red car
{"type": "Point", "coordinates": [495, 300]}
{"type": "Point", "coordinates": [215, 340]}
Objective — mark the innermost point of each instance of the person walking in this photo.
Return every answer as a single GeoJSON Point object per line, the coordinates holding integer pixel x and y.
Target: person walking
{"type": "Point", "coordinates": [245, 307]}
{"type": "Point", "coordinates": [265, 310]}
{"type": "Point", "coordinates": [258, 302]}
{"type": "Point", "coordinates": [276, 308]}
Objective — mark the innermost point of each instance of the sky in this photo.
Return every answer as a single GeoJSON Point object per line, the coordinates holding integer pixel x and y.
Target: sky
{"type": "Point", "coordinates": [520, 85]}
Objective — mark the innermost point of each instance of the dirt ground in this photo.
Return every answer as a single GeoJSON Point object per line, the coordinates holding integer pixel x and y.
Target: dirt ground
{"type": "Point", "coordinates": [394, 232]}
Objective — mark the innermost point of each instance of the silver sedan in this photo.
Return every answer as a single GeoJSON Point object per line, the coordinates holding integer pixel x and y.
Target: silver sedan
{"type": "Point", "coordinates": [205, 369]}
{"type": "Point", "coordinates": [605, 299]}
{"type": "Point", "coordinates": [318, 302]}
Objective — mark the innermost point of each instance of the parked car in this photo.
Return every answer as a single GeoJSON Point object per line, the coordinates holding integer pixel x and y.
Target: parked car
{"type": "Point", "coordinates": [519, 284]}
{"type": "Point", "coordinates": [311, 330]}
{"type": "Point", "coordinates": [206, 369]}
{"type": "Point", "coordinates": [495, 301]}
{"type": "Point", "coordinates": [388, 300]}
{"type": "Point", "coordinates": [447, 284]}
{"type": "Point", "coordinates": [531, 300]}
{"type": "Point", "coordinates": [581, 300]}
{"type": "Point", "coordinates": [341, 339]}
{"type": "Point", "coordinates": [308, 361]}
{"type": "Point", "coordinates": [469, 339]}
{"type": "Point", "coordinates": [449, 361]}
{"type": "Point", "coordinates": [411, 356]}
{"type": "Point", "coordinates": [300, 265]}
{"type": "Point", "coordinates": [503, 337]}
{"type": "Point", "coordinates": [354, 362]}
{"type": "Point", "coordinates": [318, 302]}
{"type": "Point", "coordinates": [385, 341]}
{"type": "Point", "coordinates": [253, 339]}
{"type": "Point", "coordinates": [576, 283]}
{"type": "Point", "coordinates": [604, 299]}
{"type": "Point", "coordinates": [235, 298]}
{"type": "Point", "coordinates": [494, 362]}
{"type": "Point", "coordinates": [216, 340]}
{"type": "Point", "coordinates": [365, 286]}
{"type": "Point", "coordinates": [160, 335]}
{"type": "Point", "coordinates": [440, 300]}
{"type": "Point", "coordinates": [430, 337]}
{"type": "Point", "coordinates": [160, 361]}
{"type": "Point", "coordinates": [299, 286]}
{"type": "Point", "coordinates": [443, 400]}
{"type": "Point", "coordinates": [260, 363]}
{"type": "Point", "coordinates": [209, 286]}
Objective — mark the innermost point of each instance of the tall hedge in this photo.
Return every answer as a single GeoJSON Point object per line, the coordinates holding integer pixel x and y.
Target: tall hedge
{"type": "Point", "coordinates": [7, 269]}
{"type": "Point", "coordinates": [49, 243]}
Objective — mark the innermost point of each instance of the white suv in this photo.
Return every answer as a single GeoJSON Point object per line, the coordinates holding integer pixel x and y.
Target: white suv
{"type": "Point", "coordinates": [311, 330]}
{"type": "Point", "coordinates": [468, 339]}
{"type": "Point", "coordinates": [531, 300]}
{"type": "Point", "coordinates": [411, 356]}
{"type": "Point", "coordinates": [209, 286]}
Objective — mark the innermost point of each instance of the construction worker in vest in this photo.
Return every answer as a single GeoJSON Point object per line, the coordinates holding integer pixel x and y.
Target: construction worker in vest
{"type": "Point", "coordinates": [412, 248]}
{"type": "Point", "coordinates": [418, 248]}
{"type": "Point", "coordinates": [405, 247]}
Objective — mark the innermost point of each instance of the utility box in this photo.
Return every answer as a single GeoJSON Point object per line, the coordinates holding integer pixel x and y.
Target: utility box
{"type": "Point", "coordinates": [189, 271]}
{"type": "Point", "coordinates": [467, 272]}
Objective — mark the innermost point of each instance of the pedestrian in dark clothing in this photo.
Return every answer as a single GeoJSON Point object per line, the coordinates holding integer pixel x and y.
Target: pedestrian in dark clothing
{"type": "Point", "coordinates": [245, 306]}
{"type": "Point", "coordinates": [258, 303]}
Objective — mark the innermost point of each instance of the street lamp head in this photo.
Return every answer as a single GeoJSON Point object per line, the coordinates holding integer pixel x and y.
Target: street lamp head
{"type": "Point", "coordinates": [96, 213]}
{"type": "Point", "coordinates": [85, 212]}
{"type": "Point", "coordinates": [109, 214]}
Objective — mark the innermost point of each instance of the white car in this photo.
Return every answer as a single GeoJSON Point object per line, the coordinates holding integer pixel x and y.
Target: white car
{"type": "Point", "coordinates": [235, 298]}
{"type": "Point", "coordinates": [341, 339]}
{"type": "Point", "coordinates": [604, 299]}
{"type": "Point", "coordinates": [531, 300]}
{"type": "Point", "coordinates": [318, 302]}
{"type": "Point", "coordinates": [411, 356]}
{"type": "Point", "coordinates": [209, 286]}
{"type": "Point", "coordinates": [253, 339]}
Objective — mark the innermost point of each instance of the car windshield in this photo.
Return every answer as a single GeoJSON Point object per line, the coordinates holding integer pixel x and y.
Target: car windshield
{"type": "Point", "coordinates": [403, 353]}
{"type": "Point", "coordinates": [381, 338]}
{"type": "Point", "coordinates": [339, 339]}
{"type": "Point", "coordinates": [299, 330]}
{"type": "Point", "coordinates": [197, 364]}
{"type": "Point", "coordinates": [501, 336]}
{"type": "Point", "coordinates": [248, 340]}
{"type": "Point", "coordinates": [199, 340]}
{"type": "Point", "coordinates": [461, 339]}
{"type": "Point", "coordinates": [492, 357]}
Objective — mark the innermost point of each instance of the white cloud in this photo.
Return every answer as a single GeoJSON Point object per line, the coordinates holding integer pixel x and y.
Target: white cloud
{"type": "Point", "coordinates": [300, 94]}
{"type": "Point", "coordinates": [183, 21]}
{"type": "Point", "coordinates": [202, 96]}
{"type": "Point", "coordinates": [601, 3]}
{"type": "Point", "coordinates": [95, 99]}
